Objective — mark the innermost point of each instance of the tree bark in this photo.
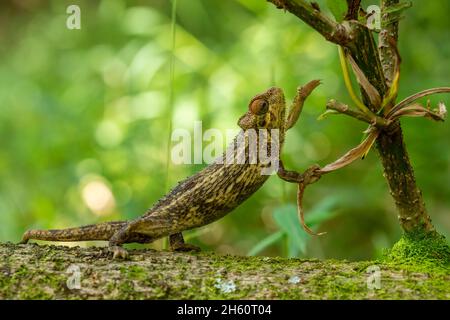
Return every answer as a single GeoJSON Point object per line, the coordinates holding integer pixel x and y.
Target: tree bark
{"type": "Point", "coordinates": [398, 171]}
{"type": "Point", "coordinates": [47, 272]}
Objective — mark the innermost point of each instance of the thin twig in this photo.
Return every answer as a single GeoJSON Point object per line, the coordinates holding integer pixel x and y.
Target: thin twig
{"type": "Point", "coordinates": [342, 108]}
{"type": "Point", "coordinates": [416, 96]}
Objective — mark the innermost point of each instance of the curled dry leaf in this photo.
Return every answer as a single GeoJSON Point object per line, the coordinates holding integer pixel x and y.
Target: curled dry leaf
{"type": "Point", "coordinates": [300, 192]}
{"type": "Point", "coordinates": [354, 154]}
{"type": "Point", "coordinates": [314, 173]}
{"type": "Point", "coordinates": [407, 101]}
{"type": "Point", "coordinates": [310, 176]}
{"type": "Point", "coordinates": [417, 110]}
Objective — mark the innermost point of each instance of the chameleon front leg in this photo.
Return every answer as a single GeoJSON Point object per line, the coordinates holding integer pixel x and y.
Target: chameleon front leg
{"type": "Point", "coordinates": [117, 240]}
{"type": "Point", "coordinates": [287, 175]}
{"type": "Point", "coordinates": [176, 242]}
{"type": "Point", "coordinates": [299, 100]}
{"type": "Point", "coordinates": [311, 175]}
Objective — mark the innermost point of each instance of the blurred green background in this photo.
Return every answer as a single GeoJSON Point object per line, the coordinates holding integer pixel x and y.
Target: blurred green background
{"type": "Point", "coordinates": [84, 121]}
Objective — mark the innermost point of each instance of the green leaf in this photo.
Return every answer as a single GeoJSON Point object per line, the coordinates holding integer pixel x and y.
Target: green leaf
{"type": "Point", "coordinates": [286, 217]}
{"type": "Point", "coordinates": [338, 8]}
{"type": "Point", "coordinates": [287, 220]}
{"type": "Point", "coordinates": [266, 242]}
{"type": "Point", "coordinates": [322, 212]}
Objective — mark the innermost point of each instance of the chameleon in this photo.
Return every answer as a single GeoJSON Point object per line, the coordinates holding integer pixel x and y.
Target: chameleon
{"type": "Point", "coordinates": [209, 194]}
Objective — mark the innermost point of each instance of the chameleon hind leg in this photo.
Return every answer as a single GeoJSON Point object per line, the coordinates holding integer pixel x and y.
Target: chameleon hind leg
{"type": "Point", "coordinates": [160, 226]}
{"type": "Point", "coordinates": [176, 242]}
{"type": "Point", "coordinates": [125, 235]}
{"type": "Point", "coordinates": [140, 230]}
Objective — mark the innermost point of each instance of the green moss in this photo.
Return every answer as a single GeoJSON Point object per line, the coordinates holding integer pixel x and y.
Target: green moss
{"type": "Point", "coordinates": [420, 252]}
{"type": "Point", "coordinates": [134, 272]}
{"type": "Point", "coordinates": [23, 278]}
{"type": "Point", "coordinates": [164, 275]}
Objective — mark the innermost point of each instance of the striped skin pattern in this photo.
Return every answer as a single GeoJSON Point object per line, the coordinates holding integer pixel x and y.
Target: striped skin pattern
{"type": "Point", "coordinates": [200, 199]}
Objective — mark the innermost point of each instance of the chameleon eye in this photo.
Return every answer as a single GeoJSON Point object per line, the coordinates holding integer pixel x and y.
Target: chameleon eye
{"type": "Point", "coordinates": [259, 106]}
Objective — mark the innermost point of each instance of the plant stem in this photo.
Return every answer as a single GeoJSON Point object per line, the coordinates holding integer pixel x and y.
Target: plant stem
{"type": "Point", "coordinates": [399, 174]}
{"type": "Point", "coordinates": [397, 167]}
{"type": "Point", "coordinates": [379, 66]}
{"type": "Point", "coordinates": [331, 30]}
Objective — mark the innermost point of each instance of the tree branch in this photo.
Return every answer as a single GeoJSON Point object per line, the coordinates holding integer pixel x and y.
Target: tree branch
{"type": "Point", "coordinates": [42, 272]}
{"type": "Point", "coordinates": [345, 109]}
{"type": "Point", "coordinates": [353, 9]}
{"type": "Point", "coordinates": [331, 30]}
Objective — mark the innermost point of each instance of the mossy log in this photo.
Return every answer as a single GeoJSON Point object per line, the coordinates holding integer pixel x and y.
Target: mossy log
{"type": "Point", "coordinates": [44, 272]}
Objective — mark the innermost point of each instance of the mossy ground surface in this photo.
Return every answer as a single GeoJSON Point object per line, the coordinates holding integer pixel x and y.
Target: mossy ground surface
{"type": "Point", "coordinates": [40, 272]}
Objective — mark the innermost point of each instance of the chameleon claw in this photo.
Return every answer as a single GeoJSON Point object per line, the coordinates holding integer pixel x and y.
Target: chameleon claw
{"type": "Point", "coordinates": [119, 252]}
{"type": "Point", "coordinates": [26, 237]}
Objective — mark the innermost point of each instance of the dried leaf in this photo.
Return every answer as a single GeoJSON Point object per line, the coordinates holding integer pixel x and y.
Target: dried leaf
{"type": "Point", "coordinates": [407, 101]}
{"type": "Point", "coordinates": [354, 154]}
{"type": "Point", "coordinates": [370, 90]}
{"type": "Point", "coordinates": [348, 83]}
{"type": "Point", "coordinates": [417, 110]}
{"type": "Point", "coordinates": [300, 192]}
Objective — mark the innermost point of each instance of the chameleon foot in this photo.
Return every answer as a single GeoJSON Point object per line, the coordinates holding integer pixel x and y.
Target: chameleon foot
{"type": "Point", "coordinates": [25, 238]}
{"type": "Point", "coordinates": [177, 244]}
{"type": "Point", "coordinates": [119, 252]}
{"type": "Point", "coordinates": [185, 247]}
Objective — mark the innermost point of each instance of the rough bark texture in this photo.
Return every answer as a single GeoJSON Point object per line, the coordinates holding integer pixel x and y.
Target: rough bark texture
{"type": "Point", "coordinates": [40, 272]}
{"type": "Point", "coordinates": [399, 173]}
{"type": "Point", "coordinates": [387, 38]}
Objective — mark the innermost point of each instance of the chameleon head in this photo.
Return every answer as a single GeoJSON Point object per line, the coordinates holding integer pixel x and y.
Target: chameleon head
{"type": "Point", "coordinates": [265, 110]}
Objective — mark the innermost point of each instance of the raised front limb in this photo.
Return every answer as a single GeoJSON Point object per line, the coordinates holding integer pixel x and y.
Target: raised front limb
{"type": "Point", "coordinates": [311, 175]}
{"type": "Point", "coordinates": [299, 100]}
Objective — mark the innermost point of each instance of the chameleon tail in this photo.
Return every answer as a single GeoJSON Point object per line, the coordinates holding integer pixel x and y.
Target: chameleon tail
{"type": "Point", "coordinates": [102, 231]}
